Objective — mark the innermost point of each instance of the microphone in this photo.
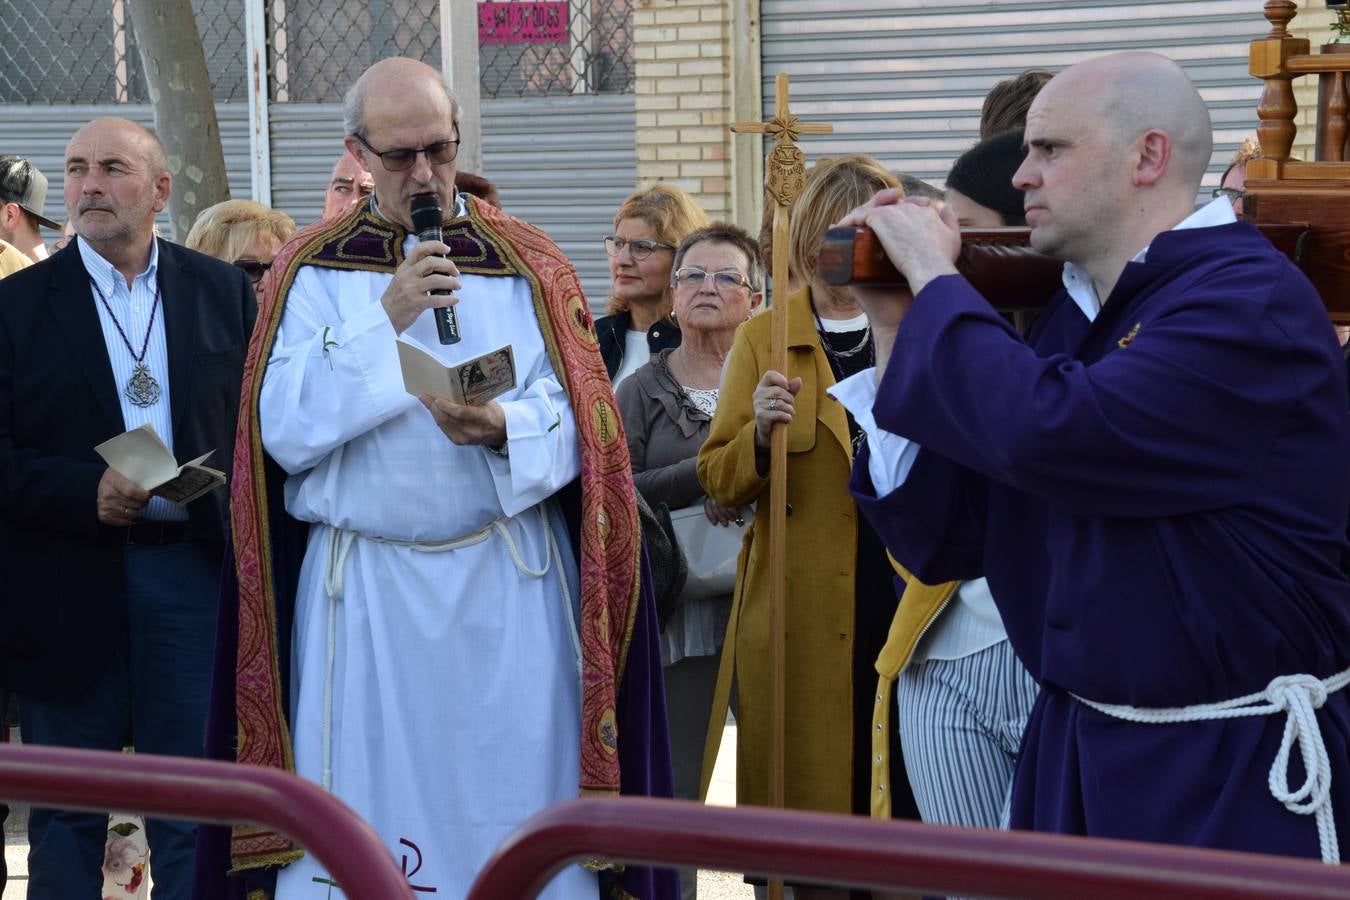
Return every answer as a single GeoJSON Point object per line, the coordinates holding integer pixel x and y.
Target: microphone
{"type": "Point", "coordinates": [426, 219]}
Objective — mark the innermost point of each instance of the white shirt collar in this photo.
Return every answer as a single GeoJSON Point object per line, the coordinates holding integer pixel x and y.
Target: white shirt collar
{"type": "Point", "coordinates": [461, 207]}
{"type": "Point", "coordinates": [1079, 286]}
{"type": "Point", "coordinates": [105, 275]}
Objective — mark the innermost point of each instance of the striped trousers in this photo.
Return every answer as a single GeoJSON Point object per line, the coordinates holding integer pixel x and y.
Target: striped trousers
{"type": "Point", "coordinates": [961, 723]}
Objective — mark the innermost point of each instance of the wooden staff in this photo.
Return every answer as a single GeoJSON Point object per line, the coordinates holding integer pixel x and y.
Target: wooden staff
{"type": "Point", "coordinates": [785, 173]}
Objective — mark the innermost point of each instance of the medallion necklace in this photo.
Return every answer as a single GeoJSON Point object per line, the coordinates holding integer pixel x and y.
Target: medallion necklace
{"type": "Point", "coordinates": [141, 389]}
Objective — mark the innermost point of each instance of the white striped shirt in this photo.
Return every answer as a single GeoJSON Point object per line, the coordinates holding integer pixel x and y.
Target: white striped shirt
{"type": "Point", "coordinates": [132, 309]}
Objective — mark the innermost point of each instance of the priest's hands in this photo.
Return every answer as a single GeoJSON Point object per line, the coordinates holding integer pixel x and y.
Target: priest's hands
{"type": "Point", "coordinates": [921, 237]}
{"type": "Point", "coordinates": [119, 499]}
{"type": "Point", "coordinates": [425, 269]}
{"type": "Point", "coordinates": [464, 425]}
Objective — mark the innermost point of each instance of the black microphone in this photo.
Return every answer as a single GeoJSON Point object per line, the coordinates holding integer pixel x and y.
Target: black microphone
{"type": "Point", "coordinates": [426, 219]}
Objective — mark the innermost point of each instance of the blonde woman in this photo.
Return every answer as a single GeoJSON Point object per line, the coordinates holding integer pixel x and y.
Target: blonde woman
{"type": "Point", "coordinates": [842, 595]}
{"type": "Point", "coordinates": [648, 227]}
{"type": "Point", "coordinates": [242, 232]}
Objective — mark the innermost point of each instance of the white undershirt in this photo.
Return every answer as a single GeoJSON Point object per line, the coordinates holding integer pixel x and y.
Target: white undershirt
{"type": "Point", "coordinates": [636, 352]}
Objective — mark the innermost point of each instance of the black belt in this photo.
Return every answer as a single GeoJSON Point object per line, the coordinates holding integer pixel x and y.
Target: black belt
{"type": "Point", "coordinates": [157, 533]}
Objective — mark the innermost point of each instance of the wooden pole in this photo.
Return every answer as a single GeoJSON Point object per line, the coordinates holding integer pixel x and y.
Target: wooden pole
{"type": "Point", "coordinates": [785, 173]}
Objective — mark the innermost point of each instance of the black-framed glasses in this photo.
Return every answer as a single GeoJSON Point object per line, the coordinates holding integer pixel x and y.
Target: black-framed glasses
{"type": "Point", "coordinates": [640, 248]}
{"type": "Point", "coordinates": [255, 269]}
{"type": "Point", "coordinates": [1233, 194]}
{"type": "Point", "coordinates": [400, 159]}
{"type": "Point", "coordinates": [725, 280]}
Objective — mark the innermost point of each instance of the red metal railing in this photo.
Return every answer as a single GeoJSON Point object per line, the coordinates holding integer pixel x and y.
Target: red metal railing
{"type": "Point", "coordinates": [207, 791]}
{"type": "Point", "coordinates": [859, 852]}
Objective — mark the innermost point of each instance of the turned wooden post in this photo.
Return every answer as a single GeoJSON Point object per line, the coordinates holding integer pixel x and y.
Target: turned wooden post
{"type": "Point", "coordinates": [1277, 108]}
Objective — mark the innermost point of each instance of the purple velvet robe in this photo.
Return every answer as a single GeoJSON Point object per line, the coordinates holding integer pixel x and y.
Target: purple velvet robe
{"type": "Point", "coordinates": [1158, 499]}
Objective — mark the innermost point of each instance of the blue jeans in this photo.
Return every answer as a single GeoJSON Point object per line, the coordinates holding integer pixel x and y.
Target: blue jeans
{"type": "Point", "coordinates": [153, 696]}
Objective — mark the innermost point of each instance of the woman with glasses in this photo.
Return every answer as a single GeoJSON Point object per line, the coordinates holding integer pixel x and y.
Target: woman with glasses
{"type": "Point", "coordinates": [841, 593]}
{"type": "Point", "coordinates": [647, 228]}
{"type": "Point", "coordinates": [667, 406]}
{"type": "Point", "coordinates": [242, 232]}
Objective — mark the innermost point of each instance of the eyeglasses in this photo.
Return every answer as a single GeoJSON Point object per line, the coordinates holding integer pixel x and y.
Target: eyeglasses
{"type": "Point", "coordinates": [725, 281]}
{"type": "Point", "coordinates": [255, 269]}
{"type": "Point", "coordinates": [640, 248]}
{"type": "Point", "coordinates": [1231, 193]}
{"type": "Point", "coordinates": [402, 158]}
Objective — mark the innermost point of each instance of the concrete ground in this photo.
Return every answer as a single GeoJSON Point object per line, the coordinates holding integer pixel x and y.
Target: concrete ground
{"type": "Point", "coordinates": [711, 885]}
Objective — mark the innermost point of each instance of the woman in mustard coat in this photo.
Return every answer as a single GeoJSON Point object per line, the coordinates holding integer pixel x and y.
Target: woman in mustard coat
{"type": "Point", "coordinates": [841, 592]}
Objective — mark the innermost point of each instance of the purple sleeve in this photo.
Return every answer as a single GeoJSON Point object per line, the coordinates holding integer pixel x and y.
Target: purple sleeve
{"type": "Point", "coordinates": [1179, 419]}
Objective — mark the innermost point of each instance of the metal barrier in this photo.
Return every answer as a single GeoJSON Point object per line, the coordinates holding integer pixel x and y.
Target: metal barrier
{"type": "Point", "coordinates": [859, 852]}
{"type": "Point", "coordinates": [207, 791]}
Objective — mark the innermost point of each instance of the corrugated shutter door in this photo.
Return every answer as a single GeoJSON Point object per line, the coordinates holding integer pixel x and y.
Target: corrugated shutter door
{"type": "Point", "coordinates": [904, 81]}
{"type": "Point", "coordinates": [40, 133]}
{"type": "Point", "coordinates": [563, 164]}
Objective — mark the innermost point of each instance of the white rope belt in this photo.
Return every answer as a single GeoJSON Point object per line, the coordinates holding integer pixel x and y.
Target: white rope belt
{"type": "Point", "coordinates": [1298, 697]}
{"type": "Point", "coordinates": [340, 545]}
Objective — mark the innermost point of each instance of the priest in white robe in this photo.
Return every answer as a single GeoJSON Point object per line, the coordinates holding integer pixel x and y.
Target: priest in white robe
{"type": "Point", "coordinates": [469, 634]}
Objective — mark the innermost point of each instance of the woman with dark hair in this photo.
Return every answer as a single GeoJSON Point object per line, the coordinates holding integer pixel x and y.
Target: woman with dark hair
{"type": "Point", "coordinates": [964, 697]}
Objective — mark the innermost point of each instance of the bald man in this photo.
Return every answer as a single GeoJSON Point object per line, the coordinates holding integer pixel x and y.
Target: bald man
{"type": "Point", "coordinates": [467, 568]}
{"type": "Point", "coordinates": [1153, 481]}
{"type": "Point", "coordinates": [109, 604]}
{"type": "Point", "coordinates": [348, 185]}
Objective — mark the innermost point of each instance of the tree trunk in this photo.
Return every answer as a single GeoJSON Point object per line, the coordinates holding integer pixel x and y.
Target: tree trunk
{"type": "Point", "coordinates": [185, 112]}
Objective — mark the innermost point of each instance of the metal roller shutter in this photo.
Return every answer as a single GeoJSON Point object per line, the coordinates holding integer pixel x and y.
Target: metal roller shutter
{"type": "Point", "coordinates": [904, 81]}
{"type": "Point", "coordinates": [41, 132]}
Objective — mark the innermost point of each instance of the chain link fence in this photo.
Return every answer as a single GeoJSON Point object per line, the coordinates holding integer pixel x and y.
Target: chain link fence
{"type": "Point", "coordinates": [84, 51]}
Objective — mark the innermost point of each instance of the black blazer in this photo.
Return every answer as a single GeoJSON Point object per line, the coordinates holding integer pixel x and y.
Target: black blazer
{"type": "Point", "coordinates": [61, 605]}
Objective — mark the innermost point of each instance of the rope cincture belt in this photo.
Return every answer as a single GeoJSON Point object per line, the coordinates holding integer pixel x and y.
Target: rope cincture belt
{"type": "Point", "coordinates": [340, 545]}
{"type": "Point", "coordinates": [1298, 697]}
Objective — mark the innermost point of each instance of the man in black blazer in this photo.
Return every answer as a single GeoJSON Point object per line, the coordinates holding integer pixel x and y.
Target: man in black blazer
{"type": "Point", "coordinates": [107, 617]}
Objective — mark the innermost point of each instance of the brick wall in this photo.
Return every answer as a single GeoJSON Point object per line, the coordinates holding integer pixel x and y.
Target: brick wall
{"type": "Point", "coordinates": [682, 52]}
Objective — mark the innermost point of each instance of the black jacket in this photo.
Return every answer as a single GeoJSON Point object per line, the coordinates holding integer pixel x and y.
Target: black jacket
{"type": "Point", "coordinates": [612, 329]}
{"type": "Point", "coordinates": [62, 603]}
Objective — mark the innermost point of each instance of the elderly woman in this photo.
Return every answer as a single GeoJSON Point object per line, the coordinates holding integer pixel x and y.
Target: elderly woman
{"type": "Point", "coordinates": [667, 406]}
{"type": "Point", "coordinates": [242, 232]}
{"type": "Point", "coordinates": [842, 595]}
{"type": "Point", "coordinates": [647, 228]}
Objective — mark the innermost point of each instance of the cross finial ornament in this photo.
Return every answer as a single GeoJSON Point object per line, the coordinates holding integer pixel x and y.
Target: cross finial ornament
{"type": "Point", "coordinates": [785, 168]}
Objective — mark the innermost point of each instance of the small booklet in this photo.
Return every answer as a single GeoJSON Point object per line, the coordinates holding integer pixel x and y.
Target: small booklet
{"type": "Point", "coordinates": [141, 456]}
{"type": "Point", "coordinates": [472, 383]}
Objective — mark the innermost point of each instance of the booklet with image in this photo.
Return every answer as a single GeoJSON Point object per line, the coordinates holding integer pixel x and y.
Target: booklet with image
{"type": "Point", "coordinates": [141, 456]}
{"type": "Point", "coordinates": [473, 382]}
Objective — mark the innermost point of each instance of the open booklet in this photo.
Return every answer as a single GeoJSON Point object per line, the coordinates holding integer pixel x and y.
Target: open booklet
{"type": "Point", "coordinates": [473, 382]}
{"type": "Point", "coordinates": [142, 457]}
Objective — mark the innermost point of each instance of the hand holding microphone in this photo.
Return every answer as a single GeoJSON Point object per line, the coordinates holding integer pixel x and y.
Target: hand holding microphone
{"type": "Point", "coordinates": [425, 280]}
{"type": "Point", "coordinates": [426, 219]}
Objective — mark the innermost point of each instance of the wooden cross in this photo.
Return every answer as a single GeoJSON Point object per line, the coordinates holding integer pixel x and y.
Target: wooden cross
{"type": "Point", "coordinates": [784, 175]}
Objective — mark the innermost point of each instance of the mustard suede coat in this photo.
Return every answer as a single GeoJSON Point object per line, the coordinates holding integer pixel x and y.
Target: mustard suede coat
{"type": "Point", "coordinates": [821, 559]}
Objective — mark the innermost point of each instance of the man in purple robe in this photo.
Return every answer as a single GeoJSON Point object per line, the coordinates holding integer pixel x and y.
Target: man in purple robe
{"type": "Point", "coordinates": [1154, 481]}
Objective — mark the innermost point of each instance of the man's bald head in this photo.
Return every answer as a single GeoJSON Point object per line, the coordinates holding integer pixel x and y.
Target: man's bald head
{"type": "Point", "coordinates": [132, 134]}
{"type": "Point", "coordinates": [1136, 92]}
{"type": "Point", "coordinates": [393, 77]}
